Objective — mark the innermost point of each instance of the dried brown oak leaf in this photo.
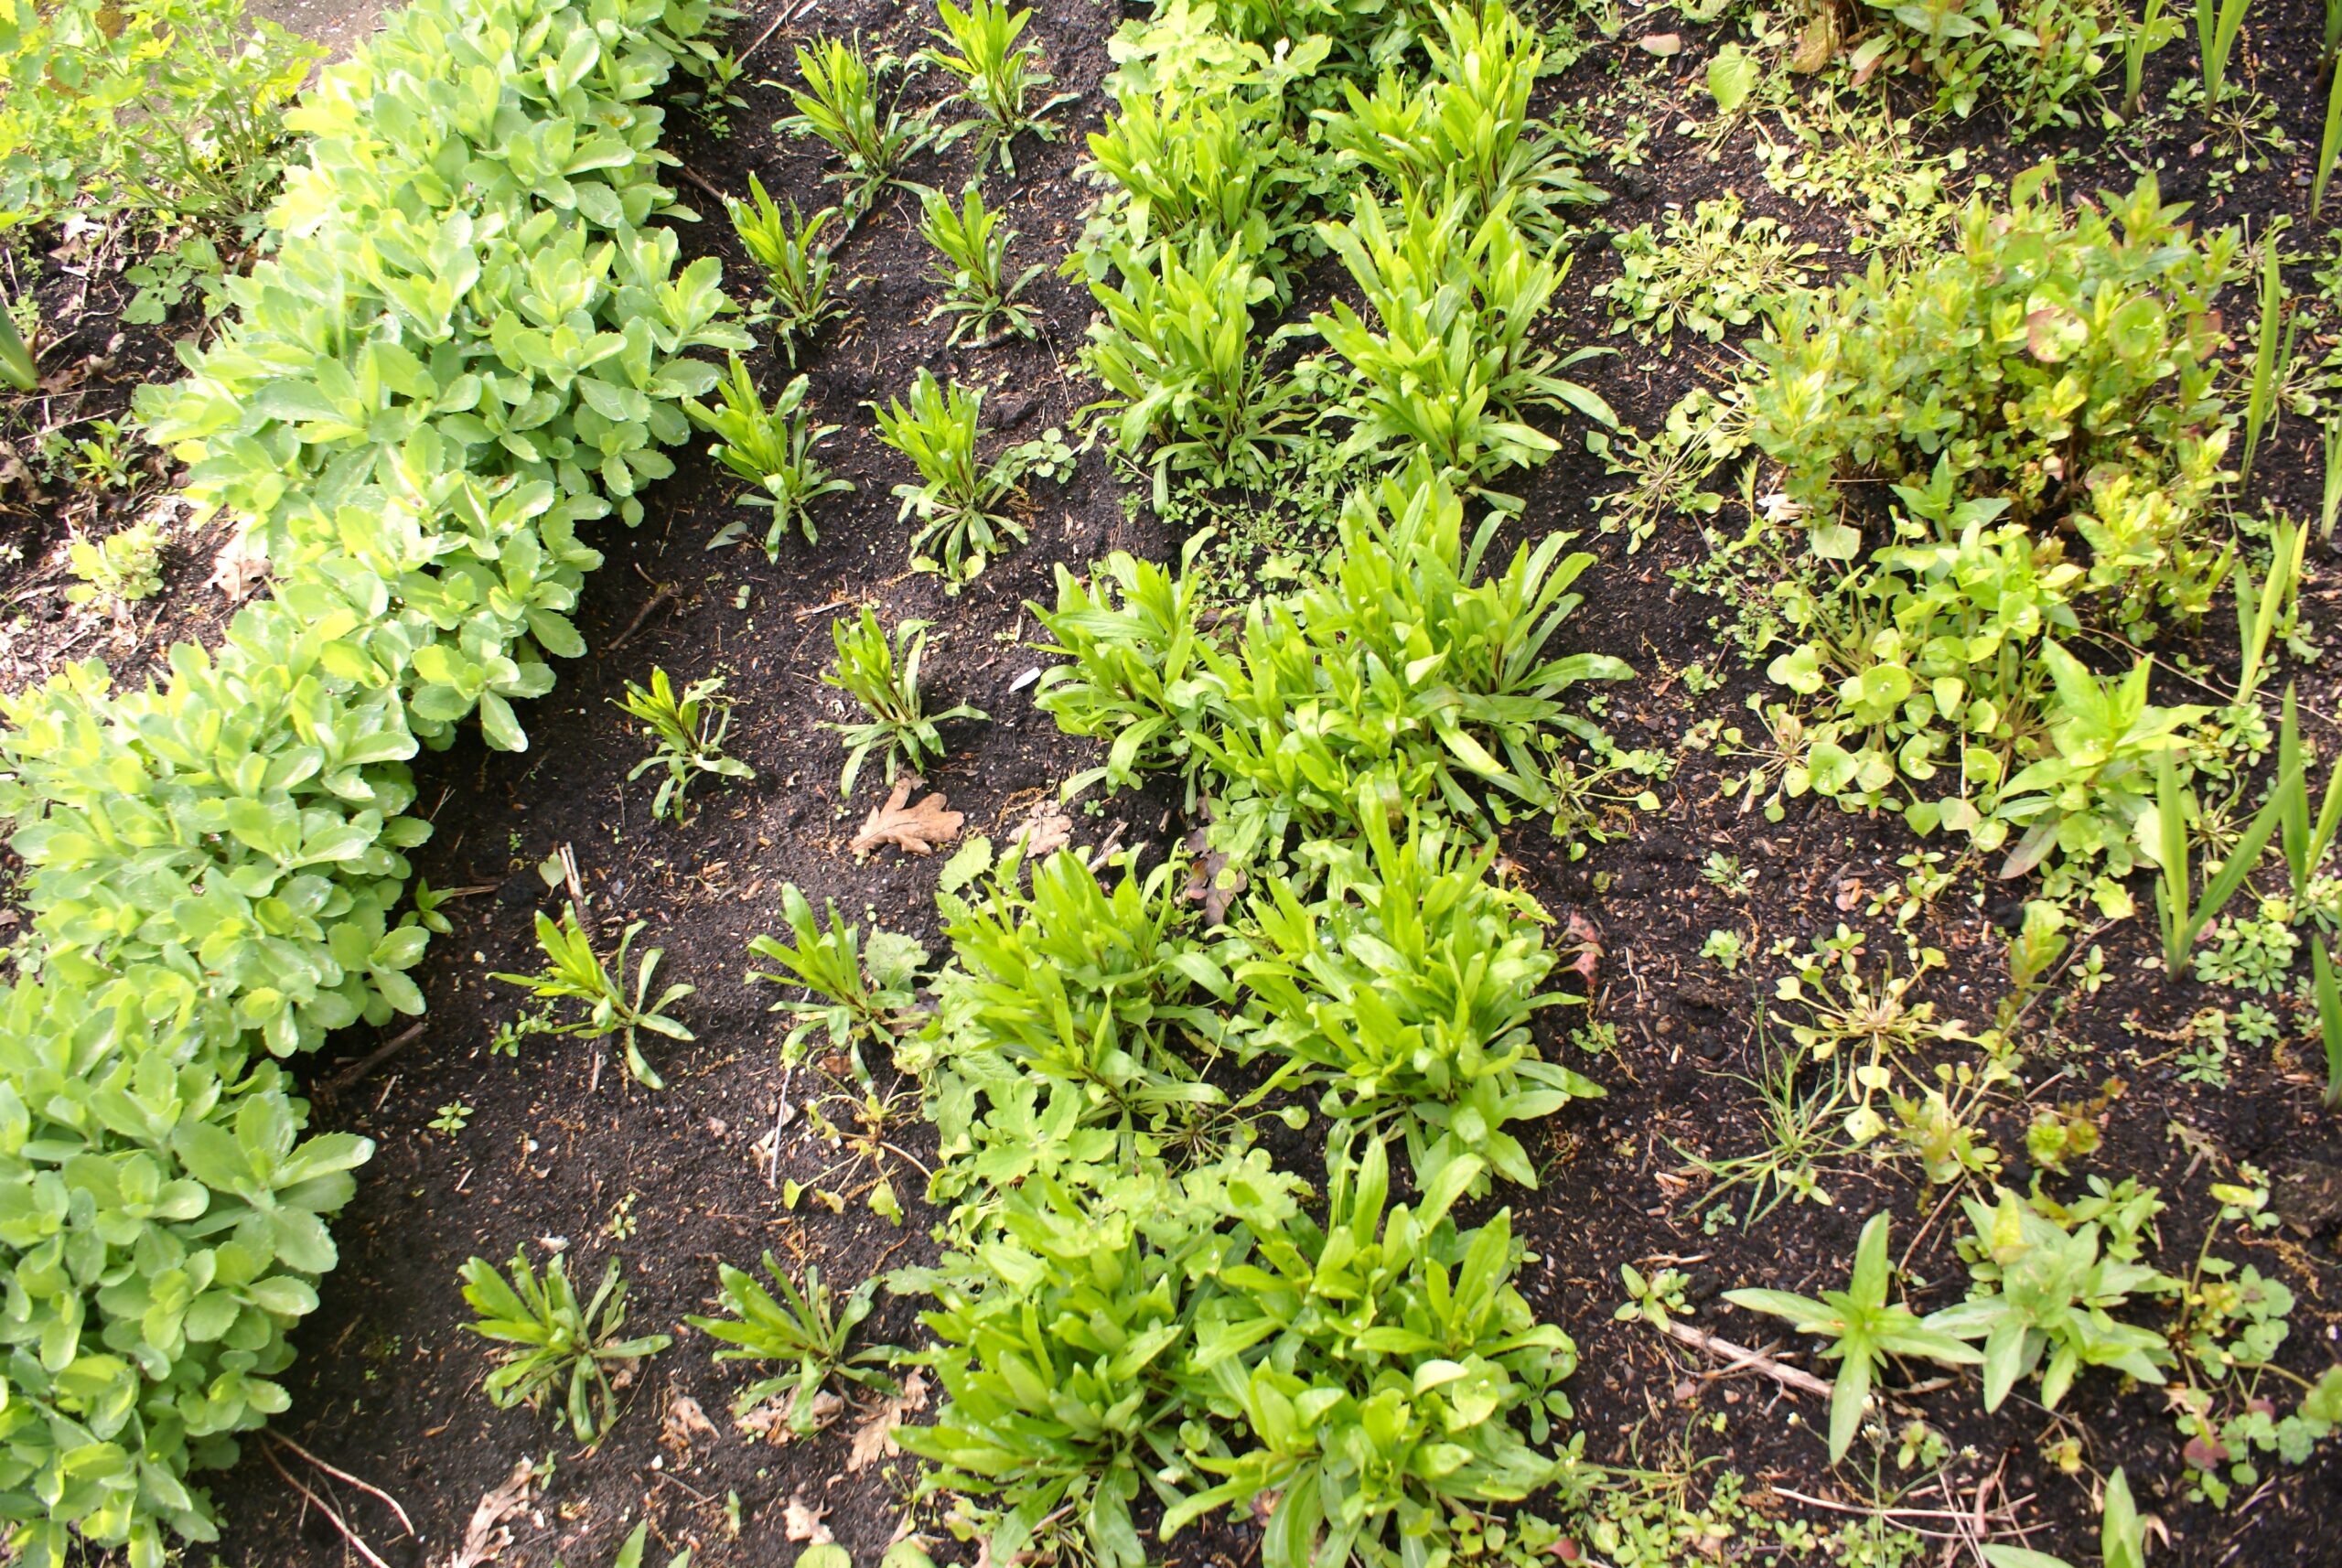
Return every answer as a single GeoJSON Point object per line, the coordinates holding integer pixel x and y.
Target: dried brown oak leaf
{"type": "Point", "coordinates": [1045, 832]}
{"type": "Point", "coordinates": [486, 1535]}
{"type": "Point", "coordinates": [875, 1439]}
{"type": "Point", "coordinates": [916, 828]}
{"type": "Point", "coordinates": [800, 1523]}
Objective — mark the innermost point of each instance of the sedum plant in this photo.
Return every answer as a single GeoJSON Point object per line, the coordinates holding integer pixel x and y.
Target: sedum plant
{"type": "Point", "coordinates": [838, 105]}
{"type": "Point", "coordinates": [960, 498]}
{"type": "Point", "coordinates": [974, 273]}
{"type": "Point", "coordinates": [882, 677]}
{"type": "Point", "coordinates": [999, 75]}
{"type": "Point", "coordinates": [772, 449]}
{"type": "Point", "coordinates": [1862, 1329]}
{"type": "Point", "coordinates": [222, 851]}
{"type": "Point", "coordinates": [810, 1326]}
{"type": "Point", "coordinates": [800, 276]}
{"type": "Point", "coordinates": [559, 1349]}
{"type": "Point", "coordinates": [690, 732]}
{"type": "Point", "coordinates": [573, 972]}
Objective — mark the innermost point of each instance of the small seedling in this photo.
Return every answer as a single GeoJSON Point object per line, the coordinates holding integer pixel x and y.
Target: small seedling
{"type": "Point", "coordinates": [810, 1326]}
{"type": "Point", "coordinates": [958, 499]}
{"type": "Point", "coordinates": [575, 972]}
{"type": "Point", "coordinates": [555, 1342]}
{"type": "Point", "coordinates": [839, 104]}
{"type": "Point", "coordinates": [883, 677]}
{"type": "Point", "coordinates": [974, 276]}
{"type": "Point", "coordinates": [690, 732]}
{"type": "Point", "coordinates": [798, 273]}
{"type": "Point", "coordinates": [1001, 77]}
{"type": "Point", "coordinates": [452, 1118]}
{"type": "Point", "coordinates": [772, 449]}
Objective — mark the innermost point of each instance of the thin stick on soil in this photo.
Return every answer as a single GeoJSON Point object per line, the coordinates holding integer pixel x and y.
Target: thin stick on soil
{"type": "Point", "coordinates": [665, 595]}
{"type": "Point", "coordinates": [341, 1475]}
{"type": "Point", "coordinates": [1740, 1355]}
{"type": "Point", "coordinates": [357, 1072]}
{"type": "Point", "coordinates": [326, 1508]}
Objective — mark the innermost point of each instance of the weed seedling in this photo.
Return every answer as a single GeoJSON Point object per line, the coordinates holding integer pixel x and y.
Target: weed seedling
{"type": "Point", "coordinates": [960, 498]}
{"type": "Point", "coordinates": [839, 104]}
{"type": "Point", "coordinates": [1001, 76]}
{"type": "Point", "coordinates": [799, 274]}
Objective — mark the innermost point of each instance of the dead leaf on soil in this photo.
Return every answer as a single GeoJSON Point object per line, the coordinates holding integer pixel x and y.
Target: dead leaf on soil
{"type": "Point", "coordinates": [1211, 881]}
{"type": "Point", "coordinates": [240, 567]}
{"type": "Point", "coordinates": [1664, 45]}
{"type": "Point", "coordinates": [774, 1418]}
{"type": "Point", "coordinates": [683, 1421]}
{"type": "Point", "coordinates": [875, 1439]}
{"type": "Point", "coordinates": [486, 1535]}
{"type": "Point", "coordinates": [800, 1523]}
{"type": "Point", "coordinates": [1045, 832]}
{"type": "Point", "coordinates": [916, 828]}
{"type": "Point", "coordinates": [1588, 962]}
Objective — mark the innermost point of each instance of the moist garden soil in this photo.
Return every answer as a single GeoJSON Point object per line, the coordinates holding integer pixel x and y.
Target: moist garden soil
{"type": "Point", "coordinates": [559, 1149]}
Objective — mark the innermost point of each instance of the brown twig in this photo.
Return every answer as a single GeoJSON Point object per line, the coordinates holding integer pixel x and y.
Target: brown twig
{"type": "Point", "coordinates": [665, 595]}
{"type": "Point", "coordinates": [368, 1487]}
{"type": "Point", "coordinates": [326, 1508]}
{"type": "Point", "coordinates": [352, 1076]}
{"type": "Point", "coordinates": [1740, 1356]}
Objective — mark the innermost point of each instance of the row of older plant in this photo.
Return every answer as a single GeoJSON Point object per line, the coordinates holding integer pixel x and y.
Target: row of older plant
{"type": "Point", "coordinates": [470, 340]}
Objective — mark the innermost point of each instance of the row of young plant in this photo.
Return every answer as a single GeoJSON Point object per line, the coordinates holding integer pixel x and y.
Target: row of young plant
{"type": "Point", "coordinates": [470, 340]}
{"type": "Point", "coordinates": [2049, 386]}
{"type": "Point", "coordinates": [1139, 1311]}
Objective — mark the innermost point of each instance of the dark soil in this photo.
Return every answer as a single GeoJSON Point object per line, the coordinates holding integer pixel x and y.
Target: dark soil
{"type": "Point", "coordinates": [558, 1145]}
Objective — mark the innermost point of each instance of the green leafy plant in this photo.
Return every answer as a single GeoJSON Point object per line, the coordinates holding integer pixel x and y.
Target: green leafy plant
{"type": "Point", "coordinates": [1452, 363]}
{"type": "Point", "coordinates": [1182, 372]}
{"type": "Point", "coordinates": [1469, 127]}
{"type": "Point", "coordinates": [1379, 1444]}
{"type": "Point", "coordinates": [810, 1326]}
{"type": "Point", "coordinates": [690, 732]}
{"type": "Point", "coordinates": [1863, 1330]}
{"type": "Point", "coordinates": [2045, 1299]}
{"type": "Point", "coordinates": [2122, 1536]}
{"type": "Point", "coordinates": [859, 990]}
{"type": "Point", "coordinates": [960, 499]}
{"type": "Point", "coordinates": [2329, 147]}
{"type": "Point", "coordinates": [2273, 353]}
{"type": "Point", "coordinates": [559, 1349]}
{"type": "Point", "coordinates": [2042, 58]}
{"type": "Point", "coordinates": [974, 277]}
{"type": "Point", "coordinates": [575, 972]}
{"type": "Point", "coordinates": [16, 366]}
{"type": "Point", "coordinates": [882, 677]}
{"type": "Point", "coordinates": [838, 105]}
{"type": "Point", "coordinates": [1709, 271]}
{"type": "Point", "coordinates": [2217, 23]}
{"type": "Point", "coordinates": [772, 449]}
{"type": "Point", "coordinates": [800, 276]}
{"type": "Point", "coordinates": [169, 109]}
{"type": "Point", "coordinates": [2329, 1019]}
{"type": "Point", "coordinates": [2142, 35]}
{"type": "Point", "coordinates": [1411, 994]}
{"type": "Point", "coordinates": [2182, 921]}
{"type": "Point", "coordinates": [1001, 76]}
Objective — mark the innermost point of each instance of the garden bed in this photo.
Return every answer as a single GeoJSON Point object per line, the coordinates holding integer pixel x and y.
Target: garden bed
{"type": "Point", "coordinates": [553, 1143]}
